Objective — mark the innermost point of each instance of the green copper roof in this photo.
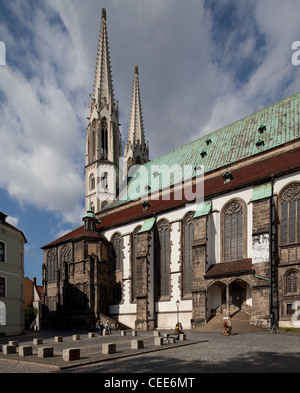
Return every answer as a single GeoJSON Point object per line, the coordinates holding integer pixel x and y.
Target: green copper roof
{"type": "Point", "coordinates": [147, 225]}
{"type": "Point", "coordinates": [264, 130]}
{"type": "Point", "coordinates": [261, 192]}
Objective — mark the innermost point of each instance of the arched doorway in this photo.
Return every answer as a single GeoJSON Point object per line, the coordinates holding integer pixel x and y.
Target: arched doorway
{"type": "Point", "coordinates": [237, 293]}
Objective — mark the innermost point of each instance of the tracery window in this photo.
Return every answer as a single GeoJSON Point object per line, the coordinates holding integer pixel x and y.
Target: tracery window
{"type": "Point", "coordinates": [291, 283]}
{"type": "Point", "coordinates": [134, 249]}
{"type": "Point", "coordinates": [163, 260]}
{"type": "Point", "coordinates": [290, 215]}
{"type": "Point", "coordinates": [51, 266]}
{"type": "Point", "coordinates": [234, 231]}
{"type": "Point", "coordinates": [118, 251]}
{"type": "Point", "coordinates": [187, 269]}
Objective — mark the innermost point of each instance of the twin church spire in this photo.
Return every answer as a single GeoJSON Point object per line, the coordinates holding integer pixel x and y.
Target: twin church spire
{"type": "Point", "coordinates": [103, 137]}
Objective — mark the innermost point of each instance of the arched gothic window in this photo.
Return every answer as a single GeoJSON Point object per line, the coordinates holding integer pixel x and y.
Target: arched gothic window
{"type": "Point", "coordinates": [51, 266]}
{"type": "Point", "coordinates": [162, 247]}
{"type": "Point", "coordinates": [290, 215]}
{"type": "Point", "coordinates": [291, 282]}
{"type": "Point", "coordinates": [234, 231]}
{"type": "Point", "coordinates": [187, 268]}
{"type": "Point", "coordinates": [104, 138]}
{"type": "Point", "coordinates": [134, 252]}
{"type": "Point", "coordinates": [92, 182]}
{"type": "Point", "coordinates": [117, 242]}
{"type": "Point", "coordinates": [65, 258]}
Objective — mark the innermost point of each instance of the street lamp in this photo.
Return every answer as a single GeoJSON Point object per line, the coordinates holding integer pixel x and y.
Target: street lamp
{"type": "Point", "coordinates": [177, 305]}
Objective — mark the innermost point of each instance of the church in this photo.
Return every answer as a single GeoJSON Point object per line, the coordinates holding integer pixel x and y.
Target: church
{"type": "Point", "coordinates": [211, 227]}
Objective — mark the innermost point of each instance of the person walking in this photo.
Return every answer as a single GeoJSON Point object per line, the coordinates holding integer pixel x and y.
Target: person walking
{"type": "Point", "coordinates": [225, 327]}
{"type": "Point", "coordinates": [229, 326]}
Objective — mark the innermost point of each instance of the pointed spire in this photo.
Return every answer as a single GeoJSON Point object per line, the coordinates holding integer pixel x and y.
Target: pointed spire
{"type": "Point", "coordinates": [136, 132]}
{"type": "Point", "coordinates": [136, 149]}
{"type": "Point", "coordinates": [103, 87]}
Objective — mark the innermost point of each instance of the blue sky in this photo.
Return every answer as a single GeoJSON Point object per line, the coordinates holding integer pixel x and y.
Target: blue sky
{"type": "Point", "coordinates": [202, 64]}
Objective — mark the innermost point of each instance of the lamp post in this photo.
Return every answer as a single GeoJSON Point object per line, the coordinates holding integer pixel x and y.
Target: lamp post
{"type": "Point", "coordinates": [177, 305]}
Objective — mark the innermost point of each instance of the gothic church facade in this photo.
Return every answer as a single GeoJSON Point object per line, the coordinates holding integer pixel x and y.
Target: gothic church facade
{"type": "Point", "coordinates": [143, 257]}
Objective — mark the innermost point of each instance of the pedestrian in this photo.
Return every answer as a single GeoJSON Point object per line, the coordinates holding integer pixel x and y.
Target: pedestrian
{"type": "Point", "coordinates": [101, 328]}
{"type": "Point", "coordinates": [225, 327]}
{"type": "Point", "coordinates": [229, 324]}
{"type": "Point", "coordinates": [98, 326]}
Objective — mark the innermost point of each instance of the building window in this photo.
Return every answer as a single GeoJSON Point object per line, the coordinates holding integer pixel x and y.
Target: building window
{"type": "Point", "coordinates": [2, 252]}
{"type": "Point", "coordinates": [2, 286]}
{"type": "Point", "coordinates": [2, 314]}
{"type": "Point", "coordinates": [162, 247]}
{"type": "Point", "coordinates": [51, 266]}
{"type": "Point", "coordinates": [118, 251]}
{"type": "Point", "coordinates": [291, 283]}
{"type": "Point", "coordinates": [92, 182]}
{"type": "Point", "coordinates": [187, 269]}
{"type": "Point", "coordinates": [290, 215]}
{"type": "Point", "coordinates": [134, 248]}
{"type": "Point", "coordinates": [233, 231]}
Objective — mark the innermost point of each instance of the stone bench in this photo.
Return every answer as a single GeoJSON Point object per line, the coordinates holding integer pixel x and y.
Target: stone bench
{"type": "Point", "coordinates": [109, 348]}
{"type": "Point", "coordinates": [70, 354]}
{"type": "Point", "coordinates": [76, 337]}
{"type": "Point", "coordinates": [156, 334]}
{"type": "Point", "coordinates": [90, 335]}
{"type": "Point", "coordinates": [15, 343]}
{"type": "Point", "coordinates": [9, 349]}
{"type": "Point", "coordinates": [182, 337]}
{"type": "Point", "coordinates": [58, 339]}
{"type": "Point", "coordinates": [25, 350]}
{"type": "Point", "coordinates": [124, 332]}
{"type": "Point", "coordinates": [37, 341]}
{"type": "Point", "coordinates": [137, 344]}
{"type": "Point", "coordinates": [45, 352]}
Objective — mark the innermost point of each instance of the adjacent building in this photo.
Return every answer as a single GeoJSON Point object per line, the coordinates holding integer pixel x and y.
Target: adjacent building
{"type": "Point", "coordinates": [12, 242]}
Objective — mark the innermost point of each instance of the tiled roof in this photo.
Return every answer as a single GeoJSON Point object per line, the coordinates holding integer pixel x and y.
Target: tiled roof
{"type": "Point", "coordinates": [229, 268]}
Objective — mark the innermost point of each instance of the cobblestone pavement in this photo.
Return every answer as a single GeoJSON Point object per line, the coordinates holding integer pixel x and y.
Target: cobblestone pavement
{"type": "Point", "coordinates": [202, 352]}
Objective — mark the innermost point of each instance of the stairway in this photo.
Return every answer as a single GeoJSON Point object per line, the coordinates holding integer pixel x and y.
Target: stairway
{"type": "Point", "coordinates": [240, 323]}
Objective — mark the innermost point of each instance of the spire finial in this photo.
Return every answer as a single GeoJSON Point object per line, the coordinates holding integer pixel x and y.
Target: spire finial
{"type": "Point", "coordinates": [104, 13]}
{"type": "Point", "coordinates": [136, 71]}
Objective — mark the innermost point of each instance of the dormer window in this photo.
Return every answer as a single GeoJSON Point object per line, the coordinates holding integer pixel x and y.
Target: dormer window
{"type": "Point", "coordinates": [227, 177]}
{"type": "Point", "coordinates": [262, 129]}
{"type": "Point", "coordinates": [260, 143]}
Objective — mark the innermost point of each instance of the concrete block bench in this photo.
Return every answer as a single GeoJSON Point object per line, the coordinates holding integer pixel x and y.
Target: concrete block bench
{"type": "Point", "coordinates": [124, 332]}
{"type": "Point", "coordinates": [137, 344]}
{"type": "Point", "coordinates": [182, 337]}
{"type": "Point", "coordinates": [70, 354]}
{"type": "Point", "coordinates": [109, 348]}
{"type": "Point", "coordinates": [76, 337]}
{"type": "Point", "coordinates": [58, 339]}
{"type": "Point", "coordinates": [90, 335]}
{"type": "Point", "coordinates": [37, 341]}
{"type": "Point", "coordinates": [15, 343]}
{"type": "Point", "coordinates": [45, 352]}
{"type": "Point", "coordinates": [25, 350]}
{"type": "Point", "coordinates": [158, 340]}
{"type": "Point", "coordinates": [9, 349]}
